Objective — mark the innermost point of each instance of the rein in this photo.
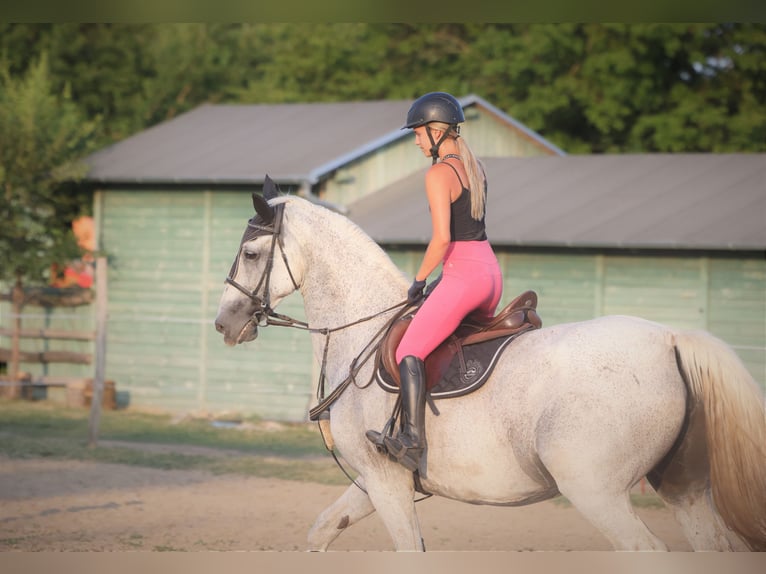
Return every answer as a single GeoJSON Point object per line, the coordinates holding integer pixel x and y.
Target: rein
{"type": "Point", "coordinates": [370, 348]}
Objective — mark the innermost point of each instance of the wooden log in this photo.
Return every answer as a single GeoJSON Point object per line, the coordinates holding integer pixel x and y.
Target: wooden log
{"type": "Point", "coordinates": [55, 296]}
{"type": "Point", "coordinates": [47, 381]}
{"type": "Point", "coordinates": [49, 357]}
{"type": "Point", "coordinates": [50, 334]}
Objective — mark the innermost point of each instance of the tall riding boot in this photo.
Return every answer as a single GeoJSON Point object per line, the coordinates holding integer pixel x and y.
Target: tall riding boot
{"type": "Point", "coordinates": [408, 445]}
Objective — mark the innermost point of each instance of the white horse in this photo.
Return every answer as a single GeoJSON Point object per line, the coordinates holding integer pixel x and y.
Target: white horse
{"type": "Point", "coordinates": [584, 409]}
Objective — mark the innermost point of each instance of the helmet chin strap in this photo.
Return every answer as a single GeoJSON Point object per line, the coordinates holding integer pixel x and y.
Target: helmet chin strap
{"type": "Point", "coordinates": [435, 145]}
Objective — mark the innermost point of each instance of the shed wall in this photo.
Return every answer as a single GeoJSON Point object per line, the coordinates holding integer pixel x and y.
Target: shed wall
{"type": "Point", "coordinates": [723, 295]}
{"type": "Point", "coordinates": [169, 252]}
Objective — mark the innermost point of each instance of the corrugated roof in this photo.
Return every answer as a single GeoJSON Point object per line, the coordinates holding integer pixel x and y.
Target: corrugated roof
{"type": "Point", "coordinates": [669, 201]}
{"type": "Point", "coordinates": [219, 144]}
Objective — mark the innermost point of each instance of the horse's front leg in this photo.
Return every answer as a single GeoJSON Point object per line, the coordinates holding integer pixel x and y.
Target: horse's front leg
{"type": "Point", "coordinates": [393, 499]}
{"type": "Point", "coordinates": [393, 495]}
{"type": "Point", "coordinates": [351, 507]}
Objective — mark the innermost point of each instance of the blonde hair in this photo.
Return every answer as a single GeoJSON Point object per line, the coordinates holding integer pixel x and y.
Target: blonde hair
{"type": "Point", "coordinates": [477, 179]}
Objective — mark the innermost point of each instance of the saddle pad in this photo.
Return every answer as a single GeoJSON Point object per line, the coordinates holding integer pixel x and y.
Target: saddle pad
{"type": "Point", "coordinates": [479, 358]}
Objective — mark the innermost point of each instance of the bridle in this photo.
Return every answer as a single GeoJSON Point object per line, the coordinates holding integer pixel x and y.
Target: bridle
{"type": "Point", "coordinates": [264, 314]}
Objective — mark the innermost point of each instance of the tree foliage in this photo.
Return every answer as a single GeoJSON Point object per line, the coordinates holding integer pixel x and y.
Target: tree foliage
{"type": "Point", "coordinates": [589, 88]}
{"type": "Point", "coordinates": [42, 137]}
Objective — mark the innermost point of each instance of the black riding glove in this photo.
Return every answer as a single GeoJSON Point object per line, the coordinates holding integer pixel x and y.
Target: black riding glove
{"type": "Point", "coordinates": [415, 292]}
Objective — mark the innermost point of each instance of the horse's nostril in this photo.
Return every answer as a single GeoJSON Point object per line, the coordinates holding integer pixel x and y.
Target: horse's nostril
{"type": "Point", "coordinates": [218, 327]}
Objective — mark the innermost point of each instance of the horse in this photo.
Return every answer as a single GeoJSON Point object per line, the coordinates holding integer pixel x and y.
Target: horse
{"type": "Point", "coordinates": [583, 410]}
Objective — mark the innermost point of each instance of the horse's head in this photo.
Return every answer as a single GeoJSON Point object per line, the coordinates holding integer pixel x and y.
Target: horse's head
{"type": "Point", "coordinates": [260, 276]}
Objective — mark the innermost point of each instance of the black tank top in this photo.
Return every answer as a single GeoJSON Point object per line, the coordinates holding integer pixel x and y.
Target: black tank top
{"type": "Point", "coordinates": [463, 227]}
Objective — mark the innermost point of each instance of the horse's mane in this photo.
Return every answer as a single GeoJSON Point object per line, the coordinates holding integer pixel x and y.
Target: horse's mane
{"type": "Point", "coordinates": [353, 237]}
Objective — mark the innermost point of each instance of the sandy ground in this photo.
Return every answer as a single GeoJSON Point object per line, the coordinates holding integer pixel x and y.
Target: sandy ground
{"type": "Point", "coordinates": [52, 505]}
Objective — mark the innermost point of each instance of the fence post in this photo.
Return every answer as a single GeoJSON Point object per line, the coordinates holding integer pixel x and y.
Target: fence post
{"type": "Point", "coordinates": [17, 304]}
{"type": "Point", "coordinates": [100, 352]}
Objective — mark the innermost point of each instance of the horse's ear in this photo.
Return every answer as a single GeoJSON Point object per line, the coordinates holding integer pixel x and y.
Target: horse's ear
{"type": "Point", "coordinates": [262, 208]}
{"type": "Point", "coordinates": [270, 190]}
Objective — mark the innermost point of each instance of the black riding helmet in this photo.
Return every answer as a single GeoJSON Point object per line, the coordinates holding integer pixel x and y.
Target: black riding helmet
{"type": "Point", "coordinates": [435, 107]}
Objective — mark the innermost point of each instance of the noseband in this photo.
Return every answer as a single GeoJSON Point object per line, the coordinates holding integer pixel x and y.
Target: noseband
{"type": "Point", "coordinates": [264, 314]}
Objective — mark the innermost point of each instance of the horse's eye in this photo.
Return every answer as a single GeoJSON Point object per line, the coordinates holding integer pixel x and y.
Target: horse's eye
{"type": "Point", "coordinates": [251, 255]}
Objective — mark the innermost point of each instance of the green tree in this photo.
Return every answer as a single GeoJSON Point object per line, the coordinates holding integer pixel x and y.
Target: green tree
{"type": "Point", "coordinates": [42, 135]}
{"type": "Point", "coordinates": [590, 88]}
{"type": "Point", "coordinates": [314, 62]}
{"type": "Point", "coordinates": [102, 66]}
{"type": "Point", "coordinates": [191, 64]}
{"type": "Point", "coordinates": [596, 88]}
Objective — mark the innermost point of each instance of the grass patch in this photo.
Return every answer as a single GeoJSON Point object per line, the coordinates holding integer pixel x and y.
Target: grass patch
{"type": "Point", "coordinates": [41, 420]}
{"type": "Point", "coordinates": [289, 451]}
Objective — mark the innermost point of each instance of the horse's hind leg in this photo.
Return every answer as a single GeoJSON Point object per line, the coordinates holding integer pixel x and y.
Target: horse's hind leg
{"type": "Point", "coordinates": [613, 515]}
{"type": "Point", "coordinates": [351, 507]}
{"type": "Point", "coordinates": [702, 525]}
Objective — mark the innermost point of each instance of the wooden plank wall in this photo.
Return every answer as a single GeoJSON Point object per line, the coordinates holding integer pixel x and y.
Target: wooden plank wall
{"type": "Point", "coordinates": [66, 334]}
{"type": "Point", "coordinates": [723, 295]}
{"type": "Point", "coordinates": [169, 254]}
{"type": "Point", "coordinates": [737, 309]}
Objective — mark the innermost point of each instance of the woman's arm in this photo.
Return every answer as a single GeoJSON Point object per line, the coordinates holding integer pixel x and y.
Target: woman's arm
{"type": "Point", "coordinates": [438, 182]}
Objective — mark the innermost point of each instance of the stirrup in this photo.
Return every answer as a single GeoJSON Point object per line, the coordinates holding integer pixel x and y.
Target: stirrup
{"type": "Point", "coordinates": [376, 438]}
{"type": "Point", "coordinates": [408, 457]}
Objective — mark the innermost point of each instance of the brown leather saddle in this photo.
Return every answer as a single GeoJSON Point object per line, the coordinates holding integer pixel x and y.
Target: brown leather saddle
{"type": "Point", "coordinates": [470, 351]}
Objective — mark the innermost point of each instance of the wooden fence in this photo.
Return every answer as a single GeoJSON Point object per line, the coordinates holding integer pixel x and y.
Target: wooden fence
{"type": "Point", "coordinates": [17, 384]}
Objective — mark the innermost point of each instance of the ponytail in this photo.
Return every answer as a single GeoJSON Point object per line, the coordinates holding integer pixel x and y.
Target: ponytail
{"type": "Point", "coordinates": [477, 180]}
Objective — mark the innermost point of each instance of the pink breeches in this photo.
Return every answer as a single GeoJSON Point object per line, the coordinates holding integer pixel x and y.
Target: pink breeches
{"type": "Point", "coordinates": [471, 283]}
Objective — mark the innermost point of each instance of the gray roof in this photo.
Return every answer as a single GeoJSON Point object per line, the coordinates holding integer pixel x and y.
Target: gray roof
{"type": "Point", "coordinates": [238, 144]}
{"type": "Point", "coordinates": [654, 201]}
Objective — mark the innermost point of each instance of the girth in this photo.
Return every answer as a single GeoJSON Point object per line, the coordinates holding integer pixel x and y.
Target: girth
{"type": "Point", "coordinates": [518, 316]}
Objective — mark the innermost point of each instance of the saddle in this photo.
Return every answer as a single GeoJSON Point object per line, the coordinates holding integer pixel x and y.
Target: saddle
{"type": "Point", "coordinates": [519, 316]}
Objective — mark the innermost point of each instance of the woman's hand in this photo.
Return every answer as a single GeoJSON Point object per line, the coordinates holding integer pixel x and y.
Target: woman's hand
{"type": "Point", "coordinates": [415, 292]}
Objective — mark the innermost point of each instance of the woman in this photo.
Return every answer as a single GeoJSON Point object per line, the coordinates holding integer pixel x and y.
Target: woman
{"type": "Point", "coordinates": [470, 282]}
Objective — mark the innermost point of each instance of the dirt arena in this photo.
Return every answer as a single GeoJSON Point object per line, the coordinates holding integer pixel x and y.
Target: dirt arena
{"type": "Point", "coordinates": [53, 505]}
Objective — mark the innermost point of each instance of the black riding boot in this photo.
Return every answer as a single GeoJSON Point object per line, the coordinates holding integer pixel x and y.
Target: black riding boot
{"type": "Point", "coordinates": [408, 445]}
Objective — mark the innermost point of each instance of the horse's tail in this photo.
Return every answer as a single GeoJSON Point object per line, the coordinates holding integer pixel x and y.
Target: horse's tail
{"type": "Point", "coordinates": [732, 405]}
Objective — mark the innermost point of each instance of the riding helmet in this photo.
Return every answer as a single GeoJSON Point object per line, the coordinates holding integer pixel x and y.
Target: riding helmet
{"type": "Point", "coordinates": [434, 107]}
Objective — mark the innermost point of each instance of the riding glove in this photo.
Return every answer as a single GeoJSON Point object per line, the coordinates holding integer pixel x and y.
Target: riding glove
{"type": "Point", "coordinates": [415, 292]}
